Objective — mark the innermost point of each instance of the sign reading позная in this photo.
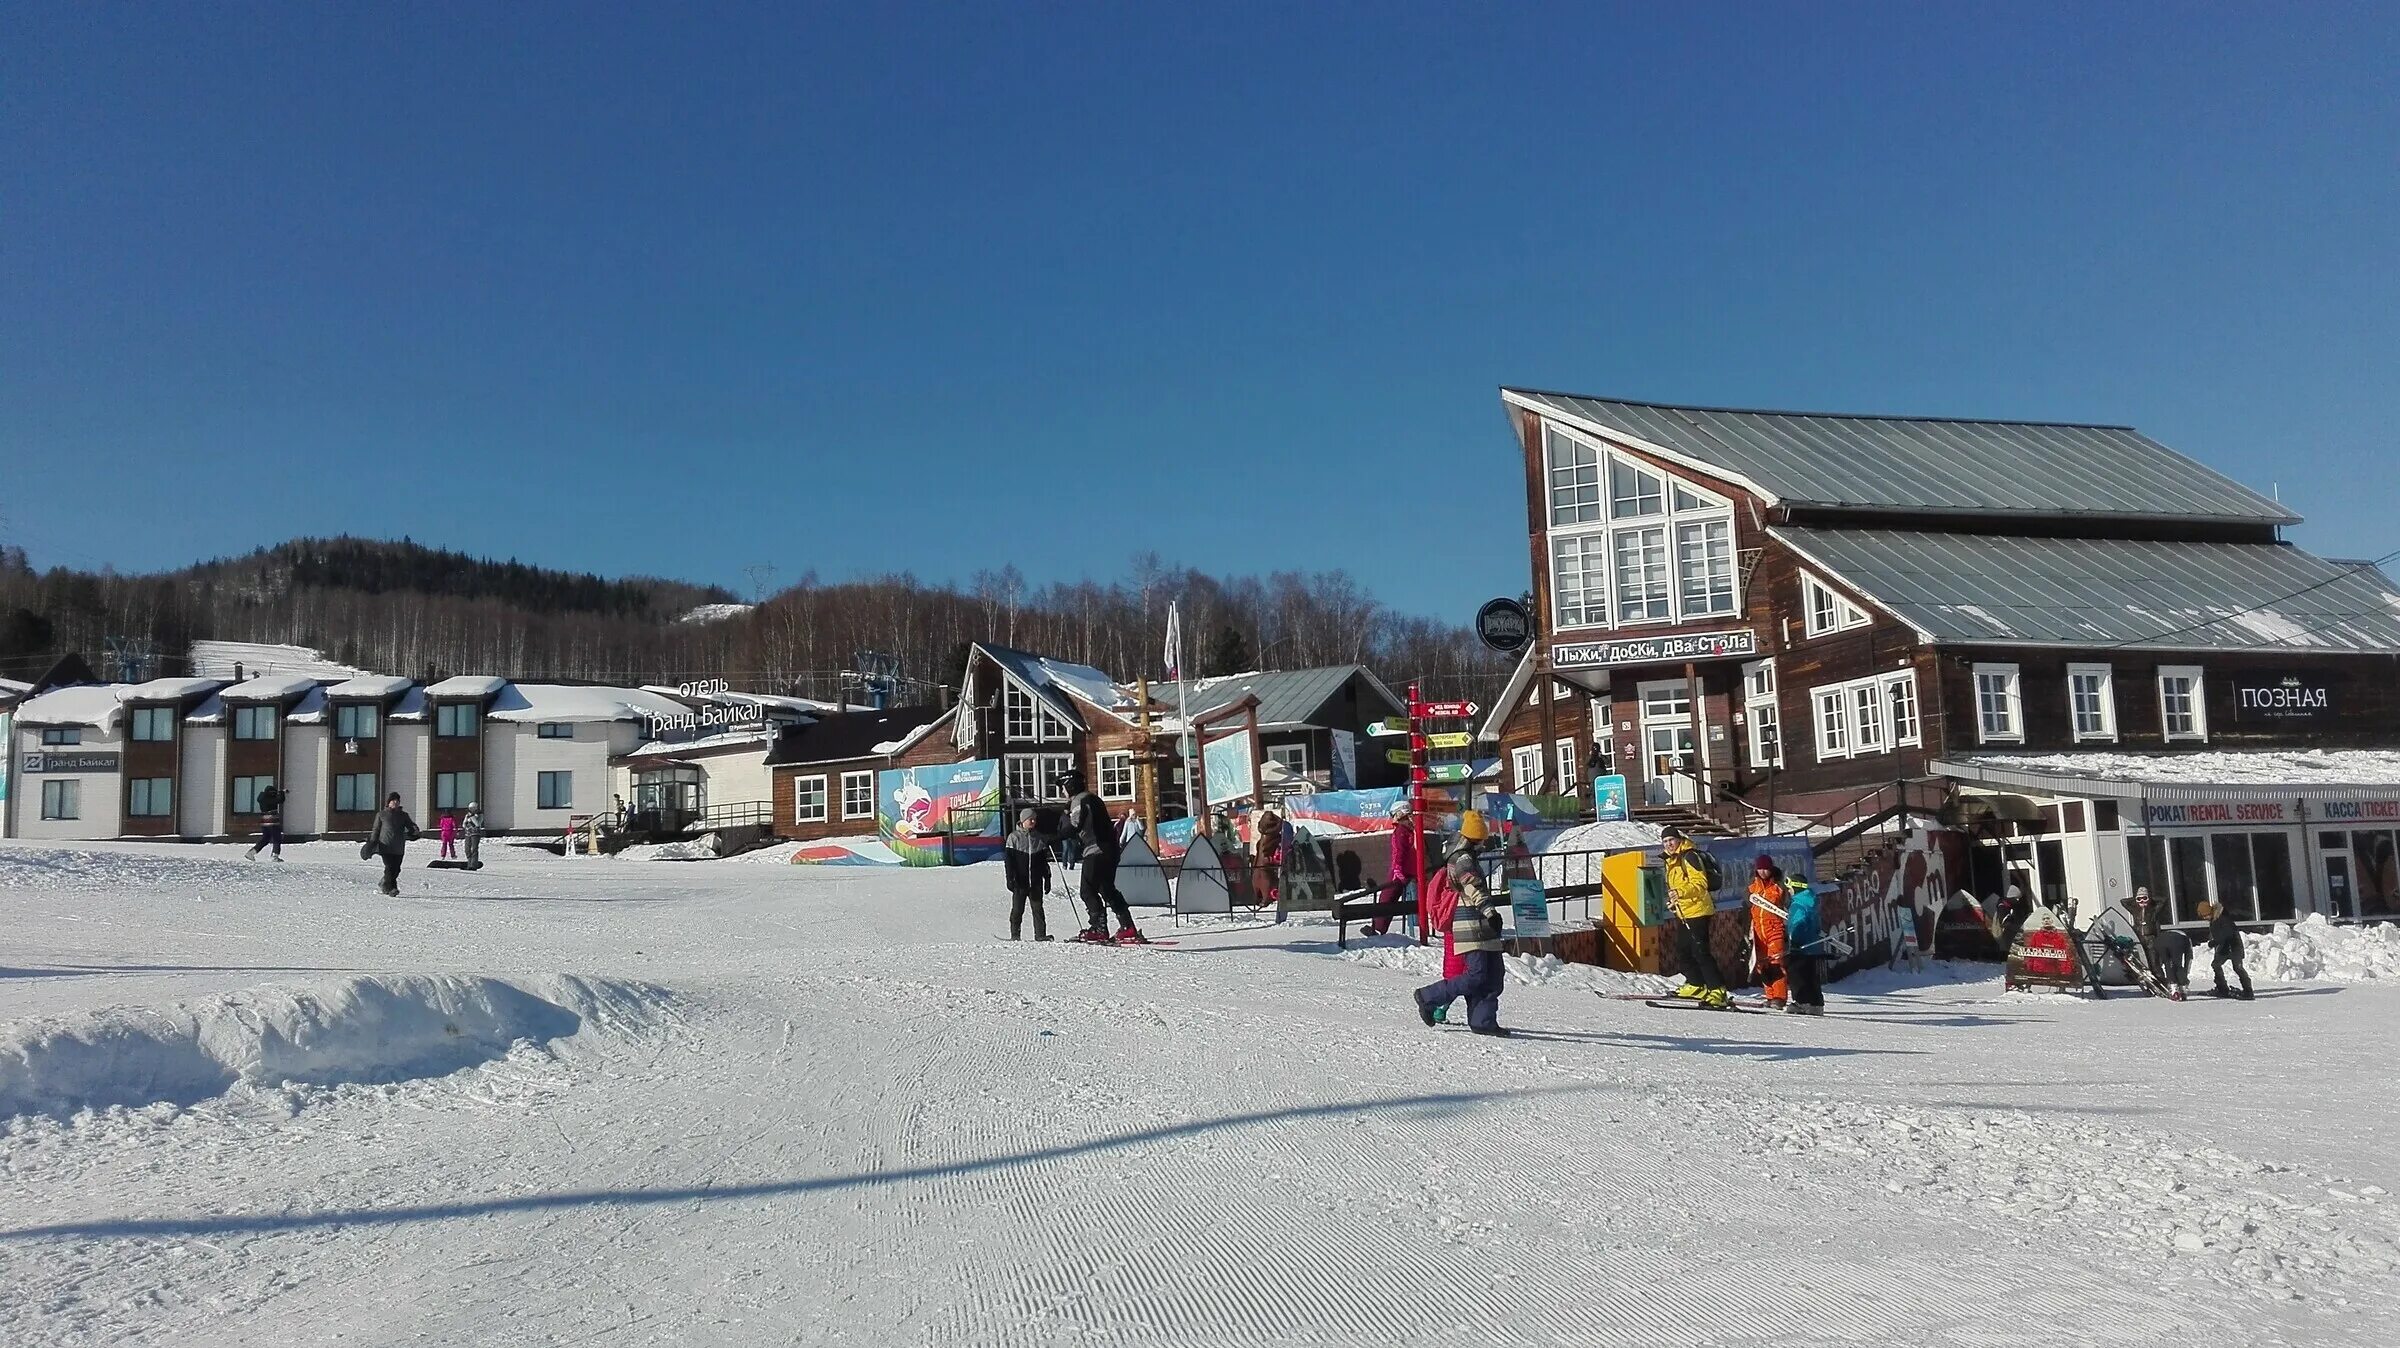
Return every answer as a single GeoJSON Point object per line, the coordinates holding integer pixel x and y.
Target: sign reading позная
{"type": "Point", "coordinates": [2290, 698]}
{"type": "Point", "coordinates": [1741, 642]}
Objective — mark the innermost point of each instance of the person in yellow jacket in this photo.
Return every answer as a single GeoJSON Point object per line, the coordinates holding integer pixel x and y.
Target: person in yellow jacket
{"type": "Point", "coordinates": [1691, 888]}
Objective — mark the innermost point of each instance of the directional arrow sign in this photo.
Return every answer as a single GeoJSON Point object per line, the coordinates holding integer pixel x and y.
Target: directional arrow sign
{"type": "Point", "coordinates": [1399, 756]}
{"type": "Point", "coordinates": [1445, 711]}
{"type": "Point", "coordinates": [1456, 739]}
{"type": "Point", "coordinates": [1387, 729]}
{"type": "Point", "coordinates": [1448, 772]}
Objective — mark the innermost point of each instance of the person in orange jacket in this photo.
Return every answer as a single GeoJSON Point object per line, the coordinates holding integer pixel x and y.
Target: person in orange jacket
{"type": "Point", "coordinates": [1770, 900]}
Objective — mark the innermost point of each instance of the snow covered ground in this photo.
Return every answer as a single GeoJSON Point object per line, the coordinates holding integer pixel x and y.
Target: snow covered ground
{"type": "Point", "coordinates": [578, 1100]}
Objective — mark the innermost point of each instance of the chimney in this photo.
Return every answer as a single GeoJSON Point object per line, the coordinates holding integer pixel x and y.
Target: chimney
{"type": "Point", "coordinates": [237, 671]}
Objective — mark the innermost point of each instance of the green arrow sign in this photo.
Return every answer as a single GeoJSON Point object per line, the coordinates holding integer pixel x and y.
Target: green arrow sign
{"type": "Point", "coordinates": [1387, 729]}
{"type": "Point", "coordinates": [1448, 772]}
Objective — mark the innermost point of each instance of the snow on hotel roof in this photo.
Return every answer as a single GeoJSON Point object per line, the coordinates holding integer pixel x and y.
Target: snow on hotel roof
{"type": "Point", "coordinates": [167, 690]}
{"type": "Point", "coordinates": [93, 705]}
{"type": "Point", "coordinates": [467, 685]}
{"type": "Point", "coordinates": [579, 702]}
{"type": "Point", "coordinates": [377, 686]}
{"type": "Point", "coordinates": [268, 688]}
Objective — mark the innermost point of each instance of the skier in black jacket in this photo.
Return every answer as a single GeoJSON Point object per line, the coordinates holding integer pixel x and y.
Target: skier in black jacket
{"type": "Point", "coordinates": [2225, 940]}
{"type": "Point", "coordinates": [1091, 834]}
{"type": "Point", "coordinates": [1026, 860]}
{"type": "Point", "coordinates": [270, 822]}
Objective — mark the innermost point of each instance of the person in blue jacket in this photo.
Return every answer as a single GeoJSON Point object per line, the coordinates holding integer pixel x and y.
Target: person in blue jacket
{"type": "Point", "coordinates": [1804, 950]}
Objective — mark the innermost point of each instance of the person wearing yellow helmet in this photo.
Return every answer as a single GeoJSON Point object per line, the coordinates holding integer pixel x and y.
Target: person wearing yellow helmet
{"type": "Point", "coordinates": [1691, 889]}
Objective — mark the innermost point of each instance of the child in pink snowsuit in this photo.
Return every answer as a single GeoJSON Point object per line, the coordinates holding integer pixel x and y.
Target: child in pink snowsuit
{"type": "Point", "coordinates": [449, 837]}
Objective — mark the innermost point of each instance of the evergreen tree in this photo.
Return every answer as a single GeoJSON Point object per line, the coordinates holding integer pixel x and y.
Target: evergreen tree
{"type": "Point", "coordinates": [1228, 653]}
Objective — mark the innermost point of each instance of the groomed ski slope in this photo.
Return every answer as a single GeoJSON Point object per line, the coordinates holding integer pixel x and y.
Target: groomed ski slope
{"type": "Point", "coordinates": [718, 1103]}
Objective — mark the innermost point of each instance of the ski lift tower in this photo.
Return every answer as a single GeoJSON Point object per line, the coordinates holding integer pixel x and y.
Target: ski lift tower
{"type": "Point", "coordinates": [874, 674]}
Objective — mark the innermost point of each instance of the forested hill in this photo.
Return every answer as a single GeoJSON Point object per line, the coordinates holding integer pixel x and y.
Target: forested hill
{"type": "Point", "coordinates": [404, 608]}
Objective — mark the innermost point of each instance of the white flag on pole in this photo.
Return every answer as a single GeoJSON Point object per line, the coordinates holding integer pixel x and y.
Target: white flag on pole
{"type": "Point", "coordinates": [1174, 642]}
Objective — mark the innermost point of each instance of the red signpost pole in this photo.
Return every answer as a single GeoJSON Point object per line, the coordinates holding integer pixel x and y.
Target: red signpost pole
{"type": "Point", "coordinates": [1416, 802]}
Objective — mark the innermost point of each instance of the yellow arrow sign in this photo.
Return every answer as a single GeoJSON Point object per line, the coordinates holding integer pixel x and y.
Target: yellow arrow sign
{"type": "Point", "coordinates": [1456, 739]}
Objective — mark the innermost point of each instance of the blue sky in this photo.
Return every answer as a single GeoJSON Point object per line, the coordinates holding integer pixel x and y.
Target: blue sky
{"type": "Point", "coordinates": [852, 289]}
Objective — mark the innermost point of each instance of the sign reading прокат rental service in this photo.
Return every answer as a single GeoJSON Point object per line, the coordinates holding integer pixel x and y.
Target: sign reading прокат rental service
{"type": "Point", "coordinates": [1654, 650]}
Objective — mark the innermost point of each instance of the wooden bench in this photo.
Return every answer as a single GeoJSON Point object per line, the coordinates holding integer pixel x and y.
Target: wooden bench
{"type": "Point", "coordinates": [1349, 910]}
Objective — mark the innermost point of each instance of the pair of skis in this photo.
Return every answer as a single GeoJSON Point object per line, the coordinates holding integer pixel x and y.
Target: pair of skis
{"type": "Point", "coordinates": [1686, 1003]}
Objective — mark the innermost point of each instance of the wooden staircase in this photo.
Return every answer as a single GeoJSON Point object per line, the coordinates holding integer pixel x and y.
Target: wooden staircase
{"type": "Point", "coordinates": [1694, 822]}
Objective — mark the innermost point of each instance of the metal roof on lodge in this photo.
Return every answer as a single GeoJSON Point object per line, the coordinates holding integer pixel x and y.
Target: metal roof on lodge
{"type": "Point", "coordinates": [1982, 588]}
{"type": "Point", "coordinates": [1924, 464]}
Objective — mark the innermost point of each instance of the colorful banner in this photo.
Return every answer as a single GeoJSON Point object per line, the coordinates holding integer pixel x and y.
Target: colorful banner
{"type": "Point", "coordinates": [1175, 837]}
{"type": "Point", "coordinates": [1529, 906]}
{"type": "Point", "coordinates": [1228, 769]}
{"type": "Point", "coordinates": [1348, 811]}
{"type": "Point", "coordinates": [920, 810]}
{"type": "Point", "coordinates": [1345, 760]}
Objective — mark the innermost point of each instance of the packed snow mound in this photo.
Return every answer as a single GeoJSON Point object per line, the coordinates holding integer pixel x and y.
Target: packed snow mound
{"type": "Point", "coordinates": [2317, 951]}
{"type": "Point", "coordinates": [702, 848]}
{"type": "Point", "coordinates": [367, 1028]}
{"type": "Point", "coordinates": [1533, 971]}
{"type": "Point", "coordinates": [714, 613]}
{"type": "Point", "coordinates": [1614, 835]}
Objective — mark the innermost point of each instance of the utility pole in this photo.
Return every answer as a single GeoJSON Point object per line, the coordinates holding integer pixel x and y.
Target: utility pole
{"type": "Point", "coordinates": [1141, 690]}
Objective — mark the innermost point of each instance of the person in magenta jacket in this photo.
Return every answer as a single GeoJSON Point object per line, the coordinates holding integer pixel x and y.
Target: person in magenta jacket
{"type": "Point", "coordinates": [449, 837]}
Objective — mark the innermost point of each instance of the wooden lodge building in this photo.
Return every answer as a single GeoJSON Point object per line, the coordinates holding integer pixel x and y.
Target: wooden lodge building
{"type": "Point", "coordinates": [2102, 648]}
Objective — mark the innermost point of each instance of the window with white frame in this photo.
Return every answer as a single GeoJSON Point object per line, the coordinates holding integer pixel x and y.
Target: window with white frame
{"type": "Point", "coordinates": [1663, 701]}
{"type": "Point", "coordinates": [151, 797]}
{"type": "Point", "coordinates": [1116, 775]}
{"type": "Point", "coordinates": [858, 795]}
{"type": "Point", "coordinates": [808, 800]}
{"type": "Point", "coordinates": [254, 723]}
{"type": "Point", "coordinates": [1826, 611]}
{"type": "Point", "coordinates": [1761, 714]}
{"type": "Point", "coordinates": [1704, 566]}
{"type": "Point", "coordinates": [2092, 701]}
{"type": "Point", "coordinates": [153, 724]}
{"type": "Point", "coordinates": [1574, 478]}
{"type": "Point", "coordinates": [1053, 767]}
{"type": "Point", "coordinates": [1833, 722]}
{"type": "Point", "coordinates": [1525, 766]}
{"type": "Point", "coordinates": [1293, 756]}
{"type": "Point", "coordinates": [1900, 706]}
{"type": "Point", "coordinates": [1999, 712]}
{"type": "Point", "coordinates": [354, 793]}
{"type": "Point", "coordinates": [1630, 544]}
{"type": "Point", "coordinates": [554, 790]}
{"type": "Point", "coordinates": [453, 790]}
{"type": "Point", "coordinates": [1642, 576]}
{"type": "Point", "coordinates": [1866, 717]}
{"type": "Point", "coordinates": [1579, 580]}
{"type": "Point", "coordinates": [1873, 715]}
{"type": "Point", "coordinates": [1567, 779]}
{"type": "Point", "coordinates": [62, 800]}
{"type": "Point", "coordinates": [1025, 718]}
{"type": "Point", "coordinates": [2182, 708]}
{"type": "Point", "coordinates": [355, 721]}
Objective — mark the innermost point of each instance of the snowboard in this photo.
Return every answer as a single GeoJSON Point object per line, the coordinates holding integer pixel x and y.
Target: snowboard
{"type": "Point", "coordinates": [440, 865]}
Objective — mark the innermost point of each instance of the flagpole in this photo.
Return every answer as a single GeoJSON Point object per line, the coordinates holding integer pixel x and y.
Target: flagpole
{"type": "Point", "coordinates": [1187, 744]}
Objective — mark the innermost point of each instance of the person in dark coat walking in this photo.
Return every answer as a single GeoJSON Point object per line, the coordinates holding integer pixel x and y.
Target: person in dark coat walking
{"type": "Point", "coordinates": [1026, 859]}
{"type": "Point", "coordinates": [393, 831]}
{"type": "Point", "coordinates": [270, 822]}
{"type": "Point", "coordinates": [1092, 832]}
{"type": "Point", "coordinates": [2225, 941]}
{"type": "Point", "coordinates": [1475, 933]}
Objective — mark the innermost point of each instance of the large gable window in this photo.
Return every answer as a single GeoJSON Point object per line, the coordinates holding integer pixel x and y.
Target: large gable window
{"type": "Point", "coordinates": [1630, 544]}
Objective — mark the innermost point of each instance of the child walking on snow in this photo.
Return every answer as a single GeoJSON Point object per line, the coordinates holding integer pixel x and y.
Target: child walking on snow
{"type": "Point", "coordinates": [1025, 858]}
{"type": "Point", "coordinates": [449, 837]}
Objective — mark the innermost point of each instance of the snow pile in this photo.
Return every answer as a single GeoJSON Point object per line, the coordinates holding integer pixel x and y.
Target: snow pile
{"type": "Point", "coordinates": [1533, 971]}
{"type": "Point", "coordinates": [217, 659]}
{"type": "Point", "coordinates": [714, 613]}
{"type": "Point", "coordinates": [366, 1028]}
{"type": "Point", "coordinates": [702, 848]}
{"type": "Point", "coordinates": [2316, 951]}
{"type": "Point", "coordinates": [1615, 835]}
{"type": "Point", "coordinates": [2288, 767]}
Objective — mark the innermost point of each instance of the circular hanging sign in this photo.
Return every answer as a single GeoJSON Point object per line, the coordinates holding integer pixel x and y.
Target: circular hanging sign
{"type": "Point", "coordinates": [1505, 626]}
